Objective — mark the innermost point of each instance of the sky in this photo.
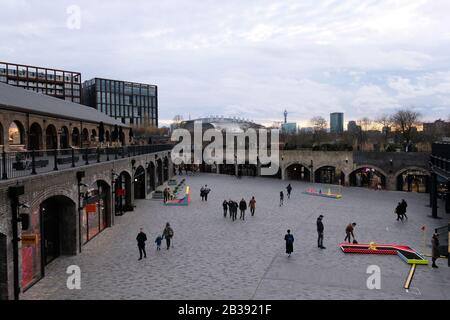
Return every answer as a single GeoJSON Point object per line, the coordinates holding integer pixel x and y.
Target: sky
{"type": "Point", "coordinates": [248, 59]}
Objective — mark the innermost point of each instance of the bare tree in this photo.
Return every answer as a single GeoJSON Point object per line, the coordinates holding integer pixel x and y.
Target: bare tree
{"type": "Point", "coordinates": [365, 123]}
{"type": "Point", "coordinates": [386, 123]}
{"type": "Point", "coordinates": [319, 123]}
{"type": "Point", "coordinates": [404, 121]}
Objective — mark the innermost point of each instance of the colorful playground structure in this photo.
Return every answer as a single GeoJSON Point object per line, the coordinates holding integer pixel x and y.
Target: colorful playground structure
{"type": "Point", "coordinates": [327, 194]}
{"type": "Point", "coordinates": [407, 254]}
{"type": "Point", "coordinates": [184, 201]}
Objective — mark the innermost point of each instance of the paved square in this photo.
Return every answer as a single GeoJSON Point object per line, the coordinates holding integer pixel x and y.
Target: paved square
{"type": "Point", "coordinates": [215, 258]}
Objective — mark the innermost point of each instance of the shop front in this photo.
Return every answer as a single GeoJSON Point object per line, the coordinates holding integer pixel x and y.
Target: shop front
{"type": "Point", "coordinates": [95, 211]}
{"type": "Point", "coordinates": [414, 181]}
{"type": "Point", "coordinates": [52, 233]}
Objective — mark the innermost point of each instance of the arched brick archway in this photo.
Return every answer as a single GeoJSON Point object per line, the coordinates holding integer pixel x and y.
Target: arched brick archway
{"type": "Point", "coordinates": [159, 172]}
{"type": "Point", "coordinates": [297, 171]}
{"type": "Point", "coordinates": [328, 174]}
{"type": "Point", "coordinates": [16, 133]}
{"type": "Point", "coordinates": [51, 137]}
{"type": "Point", "coordinates": [413, 179]}
{"type": "Point", "coordinates": [96, 210]}
{"type": "Point", "coordinates": [76, 137]}
{"type": "Point", "coordinates": [85, 137]}
{"type": "Point", "coordinates": [368, 176]}
{"type": "Point", "coordinates": [139, 183]}
{"type": "Point", "coordinates": [64, 142]}
{"type": "Point", "coordinates": [35, 141]}
{"type": "Point", "coordinates": [151, 175]}
{"type": "Point", "coordinates": [54, 220]}
{"type": "Point", "coordinates": [123, 198]}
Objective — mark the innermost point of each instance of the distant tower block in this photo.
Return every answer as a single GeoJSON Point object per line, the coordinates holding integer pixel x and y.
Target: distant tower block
{"type": "Point", "coordinates": [285, 116]}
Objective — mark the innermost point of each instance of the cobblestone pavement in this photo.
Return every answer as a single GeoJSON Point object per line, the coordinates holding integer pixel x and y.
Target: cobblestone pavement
{"type": "Point", "coordinates": [215, 258]}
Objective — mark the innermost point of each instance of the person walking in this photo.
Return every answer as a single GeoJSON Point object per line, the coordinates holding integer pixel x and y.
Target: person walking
{"type": "Point", "coordinates": [168, 234]}
{"type": "Point", "coordinates": [281, 198]}
{"type": "Point", "coordinates": [158, 241]}
{"type": "Point", "coordinates": [252, 205]}
{"type": "Point", "coordinates": [225, 208]}
{"type": "Point", "coordinates": [235, 210]}
{"type": "Point", "coordinates": [202, 193]}
{"type": "Point", "coordinates": [289, 190]}
{"type": "Point", "coordinates": [399, 212]}
{"type": "Point", "coordinates": [349, 233]}
{"type": "Point", "coordinates": [166, 195]}
{"type": "Point", "coordinates": [320, 229]}
{"type": "Point", "coordinates": [141, 238]}
{"type": "Point", "coordinates": [206, 190]}
{"type": "Point", "coordinates": [243, 208]}
{"type": "Point", "coordinates": [404, 206]}
{"type": "Point", "coordinates": [230, 208]}
{"type": "Point", "coordinates": [289, 238]}
{"type": "Point", "coordinates": [435, 254]}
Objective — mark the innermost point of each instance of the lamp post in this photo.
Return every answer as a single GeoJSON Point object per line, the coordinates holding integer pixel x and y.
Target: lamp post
{"type": "Point", "coordinates": [80, 176]}
{"type": "Point", "coordinates": [14, 193]}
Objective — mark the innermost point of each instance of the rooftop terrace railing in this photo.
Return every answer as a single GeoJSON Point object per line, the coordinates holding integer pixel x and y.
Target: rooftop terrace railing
{"type": "Point", "coordinates": [26, 163]}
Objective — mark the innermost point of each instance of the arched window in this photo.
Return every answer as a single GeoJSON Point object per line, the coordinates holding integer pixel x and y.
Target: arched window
{"type": "Point", "coordinates": [15, 133]}
{"type": "Point", "coordinates": [51, 138]}
{"type": "Point", "coordinates": [35, 137]}
{"type": "Point", "coordinates": [76, 137]}
{"type": "Point", "coordinates": [85, 136]}
{"type": "Point", "coordinates": [64, 139]}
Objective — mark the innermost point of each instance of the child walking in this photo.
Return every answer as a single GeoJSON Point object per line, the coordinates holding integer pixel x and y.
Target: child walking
{"type": "Point", "coordinates": [158, 242]}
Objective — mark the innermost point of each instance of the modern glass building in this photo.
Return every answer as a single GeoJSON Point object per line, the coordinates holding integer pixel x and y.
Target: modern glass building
{"type": "Point", "coordinates": [61, 84]}
{"type": "Point", "coordinates": [337, 122]}
{"type": "Point", "coordinates": [129, 102]}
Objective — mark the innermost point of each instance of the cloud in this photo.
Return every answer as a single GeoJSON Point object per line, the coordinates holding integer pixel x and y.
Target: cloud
{"type": "Point", "coordinates": [248, 58]}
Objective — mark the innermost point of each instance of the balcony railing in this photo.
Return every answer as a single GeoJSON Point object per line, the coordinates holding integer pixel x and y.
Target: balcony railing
{"type": "Point", "coordinates": [26, 163]}
{"type": "Point", "coordinates": [440, 163]}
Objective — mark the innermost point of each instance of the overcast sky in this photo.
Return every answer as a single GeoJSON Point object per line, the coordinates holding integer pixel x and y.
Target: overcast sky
{"type": "Point", "coordinates": [250, 59]}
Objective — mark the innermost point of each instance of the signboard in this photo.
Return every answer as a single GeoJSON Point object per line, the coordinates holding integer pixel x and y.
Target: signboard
{"type": "Point", "coordinates": [120, 192]}
{"type": "Point", "coordinates": [91, 208]}
{"type": "Point", "coordinates": [29, 239]}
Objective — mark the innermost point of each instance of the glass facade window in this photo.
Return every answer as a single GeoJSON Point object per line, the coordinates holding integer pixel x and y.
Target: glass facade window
{"type": "Point", "coordinates": [20, 75]}
{"type": "Point", "coordinates": [126, 101]}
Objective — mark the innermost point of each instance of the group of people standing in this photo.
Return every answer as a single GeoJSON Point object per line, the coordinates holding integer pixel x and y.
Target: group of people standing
{"type": "Point", "coordinates": [167, 195]}
{"type": "Point", "coordinates": [204, 191]}
{"type": "Point", "coordinates": [232, 207]}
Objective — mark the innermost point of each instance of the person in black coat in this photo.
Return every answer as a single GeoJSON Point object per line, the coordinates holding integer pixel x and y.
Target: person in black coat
{"type": "Point", "coordinates": [141, 238]}
{"type": "Point", "coordinates": [230, 208]}
{"type": "Point", "coordinates": [289, 238]}
{"type": "Point", "coordinates": [235, 209]}
{"type": "Point", "coordinates": [242, 207]}
{"type": "Point", "coordinates": [404, 206]}
{"type": "Point", "coordinates": [289, 190]}
{"type": "Point", "coordinates": [399, 212]}
{"type": "Point", "coordinates": [225, 208]}
{"type": "Point", "coordinates": [320, 229]}
{"type": "Point", "coordinates": [281, 198]}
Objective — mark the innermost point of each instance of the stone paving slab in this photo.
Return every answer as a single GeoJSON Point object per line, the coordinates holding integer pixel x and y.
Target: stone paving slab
{"type": "Point", "coordinates": [215, 258]}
